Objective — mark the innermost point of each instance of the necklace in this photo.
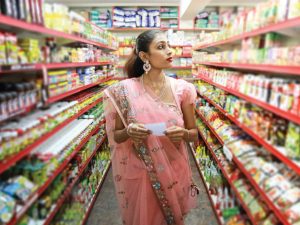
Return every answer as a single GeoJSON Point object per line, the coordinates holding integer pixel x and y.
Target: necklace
{"type": "Point", "coordinates": [163, 89]}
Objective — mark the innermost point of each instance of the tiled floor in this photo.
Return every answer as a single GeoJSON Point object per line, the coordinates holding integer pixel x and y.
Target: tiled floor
{"type": "Point", "coordinates": [105, 211]}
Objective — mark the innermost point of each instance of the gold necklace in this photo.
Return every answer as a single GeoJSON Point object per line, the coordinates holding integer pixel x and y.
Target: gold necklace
{"type": "Point", "coordinates": [163, 89]}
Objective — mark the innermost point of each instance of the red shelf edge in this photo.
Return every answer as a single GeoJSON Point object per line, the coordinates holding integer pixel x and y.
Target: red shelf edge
{"type": "Point", "coordinates": [9, 21]}
{"type": "Point", "coordinates": [264, 197]}
{"type": "Point", "coordinates": [72, 92]}
{"type": "Point", "coordinates": [14, 159]}
{"type": "Point", "coordinates": [71, 64]}
{"type": "Point", "coordinates": [245, 207]}
{"type": "Point", "coordinates": [207, 190]}
{"type": "Point", "coordinates": [40, 66]}
{"type": "Point", "coordinates": [274, 27]}
{"type": "Point", "coordinates": [265, 144]}
{"type": "Point", "coordinates": [277, 111]}
{"type": "Point", "coordinates": [96, 195]}
{"type": "Point", "coordinates": [292, 70]}
{"type": "Point", "coordinates": [68, 190]}
{"type": "Point", "coordinates": [44, 187]}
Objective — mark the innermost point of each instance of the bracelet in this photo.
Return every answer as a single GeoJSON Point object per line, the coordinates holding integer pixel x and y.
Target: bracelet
{"type": "Point", "coordinates": [188, 135]}
{"type": "Point", "coordinates": [129, 128]}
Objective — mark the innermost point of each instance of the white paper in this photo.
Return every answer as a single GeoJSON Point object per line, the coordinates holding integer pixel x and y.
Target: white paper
{"type": "Point", "coordinates": [157, 129]}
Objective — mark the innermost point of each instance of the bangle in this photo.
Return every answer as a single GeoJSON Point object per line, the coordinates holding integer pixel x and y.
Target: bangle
{"type": "Point", "coordinates": [188, 135]}
{"type": "Point", "coordinates": [129, 128]}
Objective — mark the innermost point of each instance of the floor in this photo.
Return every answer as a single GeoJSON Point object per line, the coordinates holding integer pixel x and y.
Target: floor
{"type": "Point", "coordinates": [105, 211]}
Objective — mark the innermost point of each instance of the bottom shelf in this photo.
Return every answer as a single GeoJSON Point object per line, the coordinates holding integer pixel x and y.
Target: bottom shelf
{"type": "Point", "coordinates": [207, 189]}
{"type": "Point", "coordinates": [95, 196]}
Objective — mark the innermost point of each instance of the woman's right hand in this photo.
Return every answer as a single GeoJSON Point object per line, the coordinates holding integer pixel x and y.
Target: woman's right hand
{"type": "Point", "coordinates": [137, 132]}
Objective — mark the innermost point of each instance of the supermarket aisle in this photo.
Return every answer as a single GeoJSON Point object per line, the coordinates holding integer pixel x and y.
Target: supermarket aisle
{"type": "Point", "coordinates": [105, 211]}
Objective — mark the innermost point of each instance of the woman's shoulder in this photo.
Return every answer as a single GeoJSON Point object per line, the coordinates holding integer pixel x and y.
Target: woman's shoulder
{"type": "Point", "coordinates": [180, 83]}
{"type": "Point", "coordinates": [127, 82]}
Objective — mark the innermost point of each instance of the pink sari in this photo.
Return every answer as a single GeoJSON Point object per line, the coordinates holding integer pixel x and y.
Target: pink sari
{"type": "Point", "coordinates": [153, 188]}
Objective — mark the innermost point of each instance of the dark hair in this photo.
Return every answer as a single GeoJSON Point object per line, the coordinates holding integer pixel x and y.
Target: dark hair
{"type": "Point", "coordinates": [134, 65]}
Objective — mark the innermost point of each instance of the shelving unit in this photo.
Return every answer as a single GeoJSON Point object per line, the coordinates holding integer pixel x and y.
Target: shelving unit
{"type": "Point", "coordinates": [77, 90]}
{"type": "Point", "coordinates": [273, 150]}
{"type": "Point", "coordinates": [229, 180]}
{"type": "Point", "coordinates": [44, 187]}
{"type": "Point", "coordinates": [14, 159]}
{"type": "Point", "coordinates": [95, 196]}
{"type": "Point", "coordinates": [291, 23]}
{"type": "Point", "coordinates": [268, 68]}
{"type": "Point", "coordinates": [207, 188]}
{"type": "Point", "coordinates": [261, 192]}
{"type": "Point", "coordinates": [38, 73]}
{"type": "Point", "coordinates": [68, 190]}
{"type": "Point", "coordinates": [39, 66]}
{"type": "Point", "coordinates": [287, 115]}
{"type": "Point", "coordinates": [6, 21]}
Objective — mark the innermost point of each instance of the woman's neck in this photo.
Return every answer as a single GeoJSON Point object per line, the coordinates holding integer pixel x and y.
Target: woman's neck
{"type": "Point", "coordinates": [155, 75]}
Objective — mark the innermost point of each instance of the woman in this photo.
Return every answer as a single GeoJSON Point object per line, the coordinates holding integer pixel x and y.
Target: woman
{"type": "Point", "coordinates": [151, 170]}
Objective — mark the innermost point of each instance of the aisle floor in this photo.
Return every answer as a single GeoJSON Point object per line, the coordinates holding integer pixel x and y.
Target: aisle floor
{"type": "Point", "coordinates": [106, 212]}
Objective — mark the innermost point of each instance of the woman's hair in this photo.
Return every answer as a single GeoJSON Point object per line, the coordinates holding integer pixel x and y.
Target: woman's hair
{"type": "Point", "coordinates": [134, 65]}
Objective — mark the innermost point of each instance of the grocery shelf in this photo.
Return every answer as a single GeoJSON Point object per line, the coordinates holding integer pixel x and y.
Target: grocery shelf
{"type": "Point", "coordinates": [134, 29]}
{"type": "Point", "coordinates": [180, 68]}
{"type": "Point", "coordinates": [207, 189]}
{"type": "Point", "coordinates": [287, 161]}
{"type": "Point", "coordinates": [72, 92]}
{"type": "Point", "coordinates": [269, 68]}
{"type": "Point", "coordinates": [68, 190]}
{"type": "Point", "coordinates": [72, 65]}
{"type": "Point", "coordinates": [7, 163]}
{"type": "Point", "coordinates": [5, 69]}
{"type": "Point", "coordinates": [95, 195]}
{"type": "Point", "coordinates": [168, 18]}
{"type": "Point", "coordinates": [237, 193]}
{"type": "Point", "coordinates": [200, 29]}
{"type": "Point", "coordinates": [270, 28]}
{"type": "Point", "coordinates": [6, 21]}
{"type": "Point", "coordinates": [258, 189]}
{"type": "Point", "coordinates": [284, 114]}
{"type": "Point", "coordinates": [18, 113]}
{"type": "Point", "coordinates": [209, 126]}
{"type": "Point", "coordinates": [138, 29]}
{"type": "Point", "coordinates": [44, 187]}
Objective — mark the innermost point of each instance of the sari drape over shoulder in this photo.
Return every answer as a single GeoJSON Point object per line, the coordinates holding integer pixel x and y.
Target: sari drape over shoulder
{"type": "Point", "coordinates": [152, 180]}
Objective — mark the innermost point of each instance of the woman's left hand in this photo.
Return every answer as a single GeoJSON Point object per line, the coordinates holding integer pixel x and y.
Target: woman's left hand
{"type": "Point", "coordinates": [176, 134]}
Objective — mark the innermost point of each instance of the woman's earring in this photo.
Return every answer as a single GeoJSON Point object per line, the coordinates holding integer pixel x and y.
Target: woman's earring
{"type": "Point", "coordinates": [147, 66]}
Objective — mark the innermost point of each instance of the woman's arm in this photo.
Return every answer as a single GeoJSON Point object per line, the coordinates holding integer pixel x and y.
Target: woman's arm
{"type": "Point", "coordinates": [120, 133]}
{"type": "Point", "coordinates": [137, 132]}
{"type": "Point", "coordinates": [191, 134]}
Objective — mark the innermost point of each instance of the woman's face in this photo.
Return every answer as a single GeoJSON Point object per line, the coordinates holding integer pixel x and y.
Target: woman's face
{"type": "Point", "coordinates": [160, 53]}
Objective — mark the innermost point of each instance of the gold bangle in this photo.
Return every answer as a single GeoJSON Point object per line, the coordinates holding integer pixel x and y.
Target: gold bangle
{"type": "Point", "coordinates": [188, 134]}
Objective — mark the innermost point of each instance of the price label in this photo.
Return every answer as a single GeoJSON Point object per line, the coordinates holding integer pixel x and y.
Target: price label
{"type": "Point", "coordinates": [227, 153]}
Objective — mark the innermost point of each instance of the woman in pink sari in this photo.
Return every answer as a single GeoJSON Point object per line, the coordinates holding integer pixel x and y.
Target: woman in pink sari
{"type": "Point", "coordinates": [151, 169]}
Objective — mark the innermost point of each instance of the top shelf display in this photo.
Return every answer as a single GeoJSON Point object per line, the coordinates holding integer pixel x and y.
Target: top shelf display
{"type": "Point", "coordinates": [55, 21]}
{"type": "Point", "coordinates": [145, 18]}
{"type": "Point", "coordinates": [269, 16]}
{"type": "Point", "coordinates": [277, 27]}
